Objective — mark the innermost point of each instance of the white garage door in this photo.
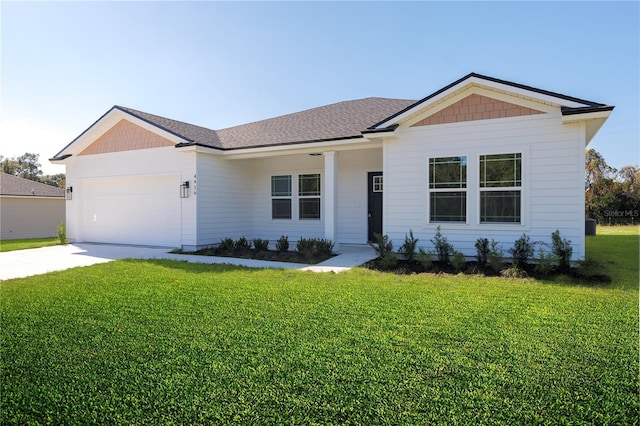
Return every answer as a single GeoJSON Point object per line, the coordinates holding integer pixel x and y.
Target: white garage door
{"type": "Point", "coordinates": [134, 210]}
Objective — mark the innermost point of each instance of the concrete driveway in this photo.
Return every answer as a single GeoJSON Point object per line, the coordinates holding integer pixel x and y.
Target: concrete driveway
{"type": "Point", "coordinates": [24, 263]}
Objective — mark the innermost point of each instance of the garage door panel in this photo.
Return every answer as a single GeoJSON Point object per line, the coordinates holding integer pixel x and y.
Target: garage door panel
{"type": "Point", "coordinates": [140, 210]}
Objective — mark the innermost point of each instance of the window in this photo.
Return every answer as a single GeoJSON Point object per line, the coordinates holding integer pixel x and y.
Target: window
{"type": "Point", "coordinates": [500, 188]}
{"type": "Point", "coordinates": [448, 189]}
{"type": "Point", "coordinates": [377, 184]}
{"type": "Point", "coordinates": [309, 196]}
{"type": "Point", "coordinates": [281, 197]}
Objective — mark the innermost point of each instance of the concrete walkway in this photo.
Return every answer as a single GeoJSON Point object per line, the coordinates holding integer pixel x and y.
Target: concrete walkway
{"type": "Point", "coordinates": [24, 263]}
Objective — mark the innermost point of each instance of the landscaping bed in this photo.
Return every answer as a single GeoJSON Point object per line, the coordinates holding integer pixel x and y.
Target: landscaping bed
{"type": "Point", "coordinates": [309, 251]}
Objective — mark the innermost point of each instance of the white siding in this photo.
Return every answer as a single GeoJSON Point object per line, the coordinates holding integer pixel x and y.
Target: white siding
{"type": "Point", "coordinates": [30, 217]}
{"type": "Point", "coordinates": [128, 167]}
{"type": "Point", "coordinates": [552, 191]}
{"type": "Point", "coordinates": [352, 204]}
{"type": "Point", "coordinates": [225, 199]}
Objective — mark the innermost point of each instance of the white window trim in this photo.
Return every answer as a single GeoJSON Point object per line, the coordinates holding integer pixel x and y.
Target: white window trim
{"type": "Point", "coordinates": [295, 197]}
{"type": "Point", "coordinates": [431, 190]}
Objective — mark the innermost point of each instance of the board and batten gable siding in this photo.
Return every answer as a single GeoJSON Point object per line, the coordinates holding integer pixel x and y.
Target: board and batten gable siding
{"type": "Point", "coordinates": [126, 167]}
{"type": "Point", "coordinates": [225, 199]}
{"type": "Point", "coordinates": [552, 175]}
{"type": "Point", "coordinates": [30, 217]}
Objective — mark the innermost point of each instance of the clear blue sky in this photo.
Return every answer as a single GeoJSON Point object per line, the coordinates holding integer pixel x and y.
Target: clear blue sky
{"type": "Point", "coordinates": [221, 64]}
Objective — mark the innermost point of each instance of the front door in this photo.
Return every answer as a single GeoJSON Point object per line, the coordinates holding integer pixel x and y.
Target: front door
{"type": "Point", "coordinates": [375, 204]}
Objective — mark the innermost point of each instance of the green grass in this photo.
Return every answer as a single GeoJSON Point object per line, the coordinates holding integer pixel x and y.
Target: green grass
{"type": "Point", "coordinates": [161, 342]}
{"type": "Point", "coordinates": [11, 245]}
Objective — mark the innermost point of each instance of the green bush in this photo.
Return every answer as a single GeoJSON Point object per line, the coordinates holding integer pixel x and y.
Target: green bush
{"type": "Point", "coordinates": [482, 251]}
{"type": "Point", "coordinates": [324, 247]}
{"type": "Point", "coordinates": [306, 247]}
{"type": "Point", "coordinates": [62, 233]}
{"type": "Point", "coordinates": [226, 245]}
{"type": "Point", "coordinates": [408, 247]}
{"type": "Point", "coordinates": [458, 260]}
{"type": "Point", "coordinates": [425, 258]}
{"type": "Point", "coordinates": [562, 249]}
{"type": "Point", "coordinates": [242, 245]}
{"type": "Point", "coordinates": [383, 245]}
{"type": "Point", "coordinates": [513, 272]}
{"type": "Point", "coordinates": [545, 263]}
{"type": "Point", "coordinates": [495, 256]}
{"type": "Point", "coordinates": [389, 261]}
{"type": "Point", "coordinates": [521, 251]}
{"type": "Point", "coordinates": [282, 245]}
{"type": "Point", "coordinates": [260, 245]}
{"type": "Point", "coordinates": [443, 248]}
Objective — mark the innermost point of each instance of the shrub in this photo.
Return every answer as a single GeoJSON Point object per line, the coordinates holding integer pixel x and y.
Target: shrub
{"type": "Point", "coordinates": [513, 272]}
{"type": "Point", "coordinates": [425, 258]}
{"type": "Point", "coordinates": [521, 251]}
{"type": "Point", "coordinates": [482, 251]}
{"type": "Point", "coordinates": [545, 263]}
{"type": "Point", "coordinates": [324, 247]}
{"type": "Point", "coordinates": [408, 248]}
{"type": "Point", "coordinates": [282, 245]}
{"type": "Point", "coordinates": [62, 233]}
{"type": "Point", "coordinates": [458, 260]}
{"type": "Point", "coordinates": [382, 245]}
{"type": "Point", "coordinates": [226, 245]}
{"type": "Point", "coordinates": [242, 245]}
{"type": "Point", "coordinates": [562, 249]}
{"type": "Point", "coordinates": [495, 256]}
{"type": "Point", "coordinates": [389, 261]}
{"type": "Point", "coordinates": [261, 245]}
{"type": "Point", "coordinates": [306, 247]}
{"type": "Point", "coordinates": [443, 248]}
{"type": "Point", "coordinates": [591, 270]}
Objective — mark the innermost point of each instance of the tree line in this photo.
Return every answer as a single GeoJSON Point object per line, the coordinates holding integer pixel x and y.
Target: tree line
{"type": "Point", "coordinates": [612, 196]}
{"type": "Point", "coordinates": [28, 166]}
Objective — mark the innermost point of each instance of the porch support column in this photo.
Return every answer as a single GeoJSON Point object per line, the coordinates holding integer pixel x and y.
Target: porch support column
{"type": "Point", "coordinates": [330, 191]}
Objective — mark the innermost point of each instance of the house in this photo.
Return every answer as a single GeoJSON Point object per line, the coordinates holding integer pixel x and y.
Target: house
{"type": "Point", "coordinates": [481, 157]}
{"type": "Point", "coordinates": [29, 209]}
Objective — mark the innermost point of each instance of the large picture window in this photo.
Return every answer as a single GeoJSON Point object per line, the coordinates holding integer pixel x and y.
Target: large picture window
{"type": "Point", "coordinates": [309, 196]}
{"type": "Point", "coordinates": [500, 188]}
{"type": "Point", "coordinates": [281, 197]}
{"type": "Point", "coordinates": [448, 189]}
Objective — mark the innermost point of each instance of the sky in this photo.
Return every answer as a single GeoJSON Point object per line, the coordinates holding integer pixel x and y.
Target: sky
{"type": "Point", "coordinates": [219, 64]}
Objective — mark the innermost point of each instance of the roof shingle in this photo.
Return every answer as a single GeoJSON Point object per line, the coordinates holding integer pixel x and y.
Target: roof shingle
{"type": "Point", "coordinates": [15, 185]}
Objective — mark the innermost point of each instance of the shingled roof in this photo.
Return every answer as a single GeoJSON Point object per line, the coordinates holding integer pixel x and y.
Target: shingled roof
{"type": "Point", "coordinates": [17, 186]}
{"type": "Point", "coordinates": [342, 120]}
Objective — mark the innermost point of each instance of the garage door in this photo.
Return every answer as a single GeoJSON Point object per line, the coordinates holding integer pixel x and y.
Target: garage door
{"type": "Point", "coordinates": [139, 210]}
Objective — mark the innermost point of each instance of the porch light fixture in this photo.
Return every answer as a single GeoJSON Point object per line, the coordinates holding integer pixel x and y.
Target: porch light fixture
{"type": "Point", "coordinates": [69, 192]}
{"type": "Point", "coordinates": [184, 189]}
{"type": "Point", "coordinates": [315, 154]}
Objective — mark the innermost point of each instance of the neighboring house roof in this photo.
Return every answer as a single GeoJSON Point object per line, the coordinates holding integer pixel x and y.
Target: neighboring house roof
{"type": "Point", "coordinates": [17, 186]}
{"type": "Point", "coordinates": [342, 120]}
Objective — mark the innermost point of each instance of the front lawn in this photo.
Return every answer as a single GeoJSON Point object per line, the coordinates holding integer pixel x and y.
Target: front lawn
{"type": "Point", "coordinates": [11, 245]}
{"type": "Point", "coordinates": [162, 342]}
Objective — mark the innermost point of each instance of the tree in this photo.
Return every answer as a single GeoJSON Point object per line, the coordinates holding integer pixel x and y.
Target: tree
{"type": "Point", "coordinates": [27, 166]}
{"type": "Point", "coordinates": [611, 196]}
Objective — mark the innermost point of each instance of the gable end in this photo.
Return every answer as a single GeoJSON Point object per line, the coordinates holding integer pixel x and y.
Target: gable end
{"type": "Point", "coordinates": [126, 136]}
{"type": "Point", "coordinates": [476, 107]}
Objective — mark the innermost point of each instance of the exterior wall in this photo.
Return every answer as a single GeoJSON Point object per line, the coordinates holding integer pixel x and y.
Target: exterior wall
{"type": "Point", "coordinates": [224, 193]}
{"type": "Point", "coordinates": [127, 166]}
{"type": "Point", "coordinates": [352, 201]}
{"type": "Point", "coordinates": [271, 229]}
{"type": "Point", "coordinates": [30, 217]}
{"type": "Point", "coordinates": [552, 174]}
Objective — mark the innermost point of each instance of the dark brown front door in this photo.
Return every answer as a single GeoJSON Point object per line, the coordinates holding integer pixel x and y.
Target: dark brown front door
{"type": "Point", "coordinates": [375, 187]}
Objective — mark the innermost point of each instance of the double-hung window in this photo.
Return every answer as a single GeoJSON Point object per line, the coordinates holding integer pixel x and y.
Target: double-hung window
{"type": "Point", "coordinates": [500, 188]}
{"type": "Point", "coordinates": [281, 197]}
{"type": "Point", "coordinates": [309, 196]}
{"type": "Point", "coordinates": [448, 189]}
